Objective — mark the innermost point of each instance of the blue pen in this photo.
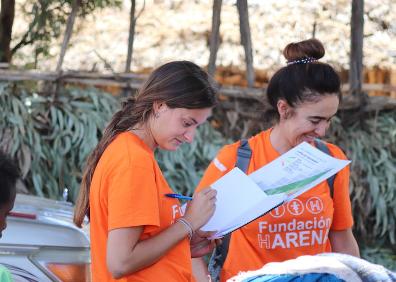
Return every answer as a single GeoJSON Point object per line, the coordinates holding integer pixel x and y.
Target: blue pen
{"type": "Point", "coordinates": [178, 196]}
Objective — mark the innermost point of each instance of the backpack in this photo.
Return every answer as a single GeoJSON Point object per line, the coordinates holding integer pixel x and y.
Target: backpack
{"type": "Point", "coordinates": [244, 155]}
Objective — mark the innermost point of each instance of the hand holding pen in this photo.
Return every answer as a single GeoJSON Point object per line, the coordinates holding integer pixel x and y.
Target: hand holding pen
{"type": "Point", "coordinates": [200, 208]}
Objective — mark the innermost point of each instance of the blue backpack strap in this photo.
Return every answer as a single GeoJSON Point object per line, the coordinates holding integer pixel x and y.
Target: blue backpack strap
{"type": "Point", "coordinates": [219, 254]}
{"type": "Point", "coordinates": [244, 154]}
{"type": "Point", "coordinates": [323, 147]}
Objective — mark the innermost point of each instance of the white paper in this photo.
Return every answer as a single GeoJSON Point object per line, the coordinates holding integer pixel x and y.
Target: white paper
{"type": "Point", "coordinates": [304, 163]}
{"type": "Point", "coordinates": [242, 198]}
{"type": "Point", "coordinates": [236, 194]}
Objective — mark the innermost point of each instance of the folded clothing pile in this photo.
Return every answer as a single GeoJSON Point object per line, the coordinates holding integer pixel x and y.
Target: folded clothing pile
{"type": "Point", "coordinates": [327, 267]}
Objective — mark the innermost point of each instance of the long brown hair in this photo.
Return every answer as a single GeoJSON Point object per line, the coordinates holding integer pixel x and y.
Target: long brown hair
{"type": "Point", "coordinates": [178, 84]}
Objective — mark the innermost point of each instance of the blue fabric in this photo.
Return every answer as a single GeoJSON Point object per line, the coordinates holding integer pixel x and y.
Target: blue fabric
{"type": "Point", "coordinates": [363, 270]}
{"type": "Point", "coordinates": [310, 277]}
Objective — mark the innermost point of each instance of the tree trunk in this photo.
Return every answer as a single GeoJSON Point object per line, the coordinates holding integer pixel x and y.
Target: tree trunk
{"type": "Point", "coordinates": [314, 29]}
{"type": "Point", "coordinates": [132, 24]}
{"type": "Point", "coordinates": [214, 41]}
{"type": "Point", "coordinates": [69, 29]}
{"type": "Point", "coordinates": [356, 55]}
{"type": "Point", "coordinates": [246, 39]}
{"type": "Point", "coordinates": [6, 21]}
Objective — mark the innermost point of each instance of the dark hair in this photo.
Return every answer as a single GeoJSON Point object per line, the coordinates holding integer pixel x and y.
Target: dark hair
{"type": "Point", "coordinates": [178, 84]}
{"type": "Point", "coordinates": [300, 81]}
{"type": "Point", "coordinates": [9, 174]}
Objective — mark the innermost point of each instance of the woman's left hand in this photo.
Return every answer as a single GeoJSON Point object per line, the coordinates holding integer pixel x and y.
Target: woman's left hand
{"type": "Point", "coordinates": [200, 245]}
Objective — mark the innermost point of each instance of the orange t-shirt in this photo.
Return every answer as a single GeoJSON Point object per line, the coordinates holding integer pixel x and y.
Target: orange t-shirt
{"type": "Point", "coordinates": [128, 190]}
{"type": "Point", "coordinates": [299, 227]}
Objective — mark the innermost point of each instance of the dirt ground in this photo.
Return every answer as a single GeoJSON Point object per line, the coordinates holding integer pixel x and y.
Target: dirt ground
{"type": "Point", "coordinates": [171, 30]}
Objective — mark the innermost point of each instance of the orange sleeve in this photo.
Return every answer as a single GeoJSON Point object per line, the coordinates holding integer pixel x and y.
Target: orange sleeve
{"type": "Point", "coordinates": [342, 217]}
{"type": "Point", "coordinates": [132, 198]}
{"type": "Point", "coordinates": [220, 165]}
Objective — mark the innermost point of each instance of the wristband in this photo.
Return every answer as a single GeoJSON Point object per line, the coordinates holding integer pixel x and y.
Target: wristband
{"type": "Point", "coordinates": [188, 225]}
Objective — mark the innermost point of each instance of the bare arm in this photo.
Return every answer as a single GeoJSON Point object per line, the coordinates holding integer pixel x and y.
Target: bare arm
{"type": "Point", "coordinates": [126, 254]}
{"type": "Point", "coordinates": [344, 242]}
{"type": "Point", "coordinates": [200, 246]}
{"type": "Point", "coordinates": [200, 270]}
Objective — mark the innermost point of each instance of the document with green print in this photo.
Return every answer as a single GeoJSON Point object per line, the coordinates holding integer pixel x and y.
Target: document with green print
{"type": "Point", "coordinates": [295, 186]}
{"type": "Point", "coordinates": [242, 198]}
{"type": "Point", "coordinates": [296, 171]}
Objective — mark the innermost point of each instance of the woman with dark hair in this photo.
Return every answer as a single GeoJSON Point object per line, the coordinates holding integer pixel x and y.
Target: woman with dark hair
{"type": "Point", "coordinates": [9, 174]}
{"type": "Point", "coordinates": [305, 96]}
{"type": "Point", "coordinates": [137, 233]}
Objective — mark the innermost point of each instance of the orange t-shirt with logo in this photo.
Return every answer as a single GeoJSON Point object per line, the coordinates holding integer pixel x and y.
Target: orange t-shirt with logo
{"type": "Point", "coordinates": [128, 190]}
{"type": "Point", "coordinates": [299, 227]}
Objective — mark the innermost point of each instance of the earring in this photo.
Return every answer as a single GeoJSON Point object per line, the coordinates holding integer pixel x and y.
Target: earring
{"type": "Point", "coordinates": [156, 115]}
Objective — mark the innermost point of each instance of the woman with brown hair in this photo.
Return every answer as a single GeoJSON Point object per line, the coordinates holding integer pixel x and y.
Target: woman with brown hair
{"type": "Point", "coordinates": [137, 233]}
{"type": "Point", "coordinates": [304, 96]}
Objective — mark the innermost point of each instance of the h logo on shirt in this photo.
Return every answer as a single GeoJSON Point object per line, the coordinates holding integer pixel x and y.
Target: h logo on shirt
{"type": "Point", "coordinates": [264, 241]}
{"type": "Point", "coordinates": [314, 205]}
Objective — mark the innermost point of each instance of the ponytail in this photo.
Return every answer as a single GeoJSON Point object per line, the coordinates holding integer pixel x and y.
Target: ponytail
{"type": "Point", "coordinates": [121, 121]}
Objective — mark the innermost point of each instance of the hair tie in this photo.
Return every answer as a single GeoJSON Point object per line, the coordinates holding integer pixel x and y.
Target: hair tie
{"type": "Point", "coordinates": [306, 60]}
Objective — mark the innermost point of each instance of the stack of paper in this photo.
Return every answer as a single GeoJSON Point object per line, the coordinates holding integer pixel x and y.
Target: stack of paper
{"type": "Point", "coordinates": [242, 198]}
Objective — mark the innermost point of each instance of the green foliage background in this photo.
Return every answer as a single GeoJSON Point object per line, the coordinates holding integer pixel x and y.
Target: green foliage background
{"type": "Point", "coordinates": [370, 142]}
{"type": "Point", "coordinates": [51, 139]}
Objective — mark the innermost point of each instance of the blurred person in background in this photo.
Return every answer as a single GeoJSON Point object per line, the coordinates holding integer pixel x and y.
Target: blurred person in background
{"type": "Point", "coordinates": [9, 174]}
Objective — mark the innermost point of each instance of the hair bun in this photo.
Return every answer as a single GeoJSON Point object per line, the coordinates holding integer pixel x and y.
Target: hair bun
{"type": "Point", "coordinates": [311, 48]}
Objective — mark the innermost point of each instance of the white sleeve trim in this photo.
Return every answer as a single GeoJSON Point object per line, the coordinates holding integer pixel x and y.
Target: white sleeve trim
{"type": "Point", "coordinates": [219, 165]}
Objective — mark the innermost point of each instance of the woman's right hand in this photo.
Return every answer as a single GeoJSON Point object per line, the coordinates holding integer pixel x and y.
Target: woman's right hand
{"type": "Point", "coordinates": [201, 208]}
